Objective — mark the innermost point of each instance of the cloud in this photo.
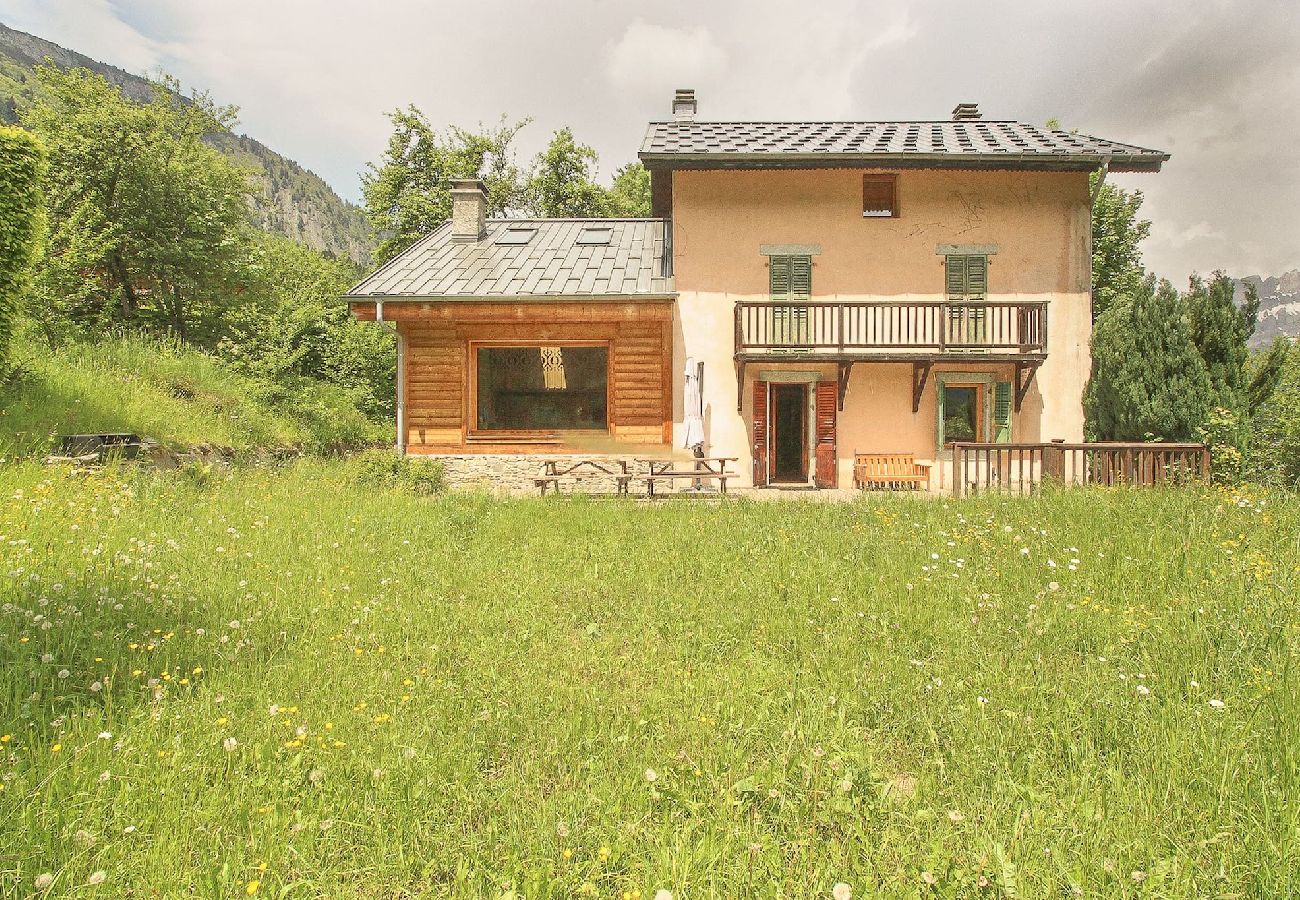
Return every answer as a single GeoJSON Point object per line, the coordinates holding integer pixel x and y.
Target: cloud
{"type": "Point", "coordinates": [647, 52]}
{"type": "Point", "coordinates": [90, 27]}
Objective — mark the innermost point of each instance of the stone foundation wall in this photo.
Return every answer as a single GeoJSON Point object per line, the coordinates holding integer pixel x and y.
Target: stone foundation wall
{"type": "Point", "coordinates": [513, 473]}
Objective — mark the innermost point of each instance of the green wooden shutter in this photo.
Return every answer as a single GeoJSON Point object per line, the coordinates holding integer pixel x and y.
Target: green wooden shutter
{"type": "Point", "coordinates": [956, 275]}
{"type": "Point", "coordinates": [800, 277]}
{"type": "Point", "coordinates": [778, 270]}
{"type": "Point", "coordinates": [977, 272]}
{"type": "Point", "coordinates": [1002, 412]}
{"type": "Point", "coordinates": [938, 405]}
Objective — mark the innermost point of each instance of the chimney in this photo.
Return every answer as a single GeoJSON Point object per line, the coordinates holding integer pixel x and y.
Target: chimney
{"type": "Point", "coordinates": [684, 104]}
{"type": "Point", "coordinates": [964, 111]}
{"type": "Point", "coordinates": [468, 209]}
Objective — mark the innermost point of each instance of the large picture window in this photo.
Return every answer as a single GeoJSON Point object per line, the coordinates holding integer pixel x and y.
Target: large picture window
{"type": "Point", "coordinates": [541, 388]}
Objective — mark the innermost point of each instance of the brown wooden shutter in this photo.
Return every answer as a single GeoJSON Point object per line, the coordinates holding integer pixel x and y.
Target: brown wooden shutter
{"type": "Point", "coordinates": [827, 472]}
{"type": "Point", "coordinates": [760, 433]}
{"type": "Point", "coordinates": [879, 195]}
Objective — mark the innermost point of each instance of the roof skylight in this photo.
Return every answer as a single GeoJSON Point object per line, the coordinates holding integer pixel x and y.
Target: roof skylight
{"type": "Point", "coordinates": [517, 235]}
{"type": "Point", "coordinates": [595, 235]}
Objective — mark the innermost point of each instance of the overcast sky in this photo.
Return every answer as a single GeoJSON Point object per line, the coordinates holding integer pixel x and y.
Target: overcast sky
{"type": "Point", "coordinates": [1214, 82]}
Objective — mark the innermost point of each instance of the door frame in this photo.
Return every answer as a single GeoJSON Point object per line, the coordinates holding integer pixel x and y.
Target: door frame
{"type": "Point", "coordinates": [774, 389]}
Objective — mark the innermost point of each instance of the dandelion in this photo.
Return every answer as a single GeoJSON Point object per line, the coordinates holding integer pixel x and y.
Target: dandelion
{"type": "Point", "coordinates": [651, 776]}
{"type": "Point", "coordinates": [96, 686]}
{"type": "Point", "coordinates": [603, 853]}
{"type": "Point", "coordinates": [97, 877]}
{"type": "Point", "coordinates": [43, 881]}
{"type": "Point", "coordinates": [251, 888]}
{"type": "Point", "coordinates": [567, 853]}
{"type": "Point", "coordinates": [842, 891]}
{"type": "Point", "coordinates": [561, 830]}
{"type": "Point", "coordinates": [56, 748]}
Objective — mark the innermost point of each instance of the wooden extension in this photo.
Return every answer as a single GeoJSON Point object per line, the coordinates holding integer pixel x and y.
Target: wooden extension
{"type": "Point", "coordinates": [889, 470]}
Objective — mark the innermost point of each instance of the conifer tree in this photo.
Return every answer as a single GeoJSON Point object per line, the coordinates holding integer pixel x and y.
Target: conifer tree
{"type": "Point", "coordinates": [1148, 380]}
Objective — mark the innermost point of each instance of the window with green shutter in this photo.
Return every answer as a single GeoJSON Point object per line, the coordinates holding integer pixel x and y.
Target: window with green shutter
{"type": "Point", "coordinates": [967, 279]}
{"type": "Point", "coordinates": [1002, 412]}
{"type": "Point", "coordinates": [789, 281]}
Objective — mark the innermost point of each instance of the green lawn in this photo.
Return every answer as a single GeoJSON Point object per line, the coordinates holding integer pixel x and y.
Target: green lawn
{"type": "Point", "coordinates": [288, 684]}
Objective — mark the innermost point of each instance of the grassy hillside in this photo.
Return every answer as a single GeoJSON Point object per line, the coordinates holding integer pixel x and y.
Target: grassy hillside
{"type": "Point", "coordinates": [178, 397]}
{"type": "Point", "coordinates": [292, 200]}
{"type": "Point", "coordinates": [283, 684]}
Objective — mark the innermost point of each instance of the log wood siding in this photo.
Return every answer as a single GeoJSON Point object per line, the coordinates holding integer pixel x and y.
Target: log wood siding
{"type": "Point", "coordinates": [438, 338]}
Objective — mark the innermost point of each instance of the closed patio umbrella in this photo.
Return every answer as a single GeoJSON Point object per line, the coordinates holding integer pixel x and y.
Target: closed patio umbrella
{"type": "Point", "coordinates": [693, 406]}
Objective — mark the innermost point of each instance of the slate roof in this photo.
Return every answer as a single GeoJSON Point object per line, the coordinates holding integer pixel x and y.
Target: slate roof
{"type": "Point", "coordinates": [551, 264]}
{"type": "Point", "coordinates": [961, 143]}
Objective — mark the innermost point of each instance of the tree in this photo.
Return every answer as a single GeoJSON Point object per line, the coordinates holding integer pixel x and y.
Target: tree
{"type": "Point", "coordinates": [1276, 424]}
{"type": "Point", "coordinates": [408, 194]}
{"type": "Point", "coordinates": [562, 183]}
{"type": "Point", "coordinates": [291, 326]}
{"type": "Point", "coordinates": [22, 166]}
{"type": "Point", "coordinates": [1148, 380]}
{"type": "Point", "coordinates": [630, 193]}
{"type": "Point", "coordinates": [1220, 331]}
{"type": "Point", "coordinates": [1266, 373]}
{"type": "Point", "coordinates": [149, 225]}
{"type": "Point", "coordinates": [1117, 235]}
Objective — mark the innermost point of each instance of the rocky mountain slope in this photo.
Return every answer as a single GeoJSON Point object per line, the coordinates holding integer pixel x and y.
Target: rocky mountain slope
{"type": "Point", "coordinates": [1279, 305]}
{"type": "Point", "coordinates": [293, 201]}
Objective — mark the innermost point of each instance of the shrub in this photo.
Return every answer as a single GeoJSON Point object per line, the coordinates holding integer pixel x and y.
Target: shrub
{"type": "Point", "coordinates": [22, 163]}
{"type": "Point", "coordinates": [391, 470]}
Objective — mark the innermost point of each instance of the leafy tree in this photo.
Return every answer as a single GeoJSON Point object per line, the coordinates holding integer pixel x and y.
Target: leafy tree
{"type": "Point", "coordinates": [292, 326]}
{"type": "Point", "coordinates": [1117, 235]}
{"type": "Point", "coordinates": [1148, 380]}
{"type": "Point", "coordinates": [630, 194]}
{"type": "Point", "coordinates": [1220, 331]}
{"type": "Point", "coordinates": [153, 220]}
{"type": "Point", "coordinates": [1276, 424]}
{"type": "Point", "coordinates": [22, 166]}
{"type": "Point", "coordinates": [562, 183]}
{"type": "Point", "coordinates": [408, 194]}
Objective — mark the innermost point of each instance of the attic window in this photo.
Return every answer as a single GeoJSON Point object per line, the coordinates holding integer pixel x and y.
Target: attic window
{"type": "Point", "coordinates": [880, 196]}
{"type": "Point", "coordinates": [517, 234]}
{"type": "Point", "coordinates": [595, 235]}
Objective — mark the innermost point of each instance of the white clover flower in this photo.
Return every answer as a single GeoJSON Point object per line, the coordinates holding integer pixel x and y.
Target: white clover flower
{"type": "Point", "coordinates": [983, 700]}
{"type": "Point", "coordinates": [105, 735]}
{"type": "Point", "coordinates": [43, 881]}
{"type": "Point", "coordinates": [1216, 703]}
{"type": "Point", "coordinates": [1053, 586]}
{"type": "Point", "coordinates": [229, 744]}
{"type": "Point", "coordinates": [47, 657]}
{"type": "Point", "coordinates": [842, 891]}
{"type": "Point", "coordinates": [651, 776]}
{"type": "Point", "coordinates": [64, 673]}
{"type": "Point", "coordinates": [97, 877]}
{"type": "Point", "coordinates": [662, 894]}
{"type": "Point", "coordinates": [1143, 689]}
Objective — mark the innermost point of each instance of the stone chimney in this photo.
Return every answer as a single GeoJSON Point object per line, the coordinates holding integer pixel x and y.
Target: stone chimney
{"type": "Point", "coordinates": [964, 111]}
{"type": "Point", "coordinates": [468, 209]}
{"type": "Point", "coordinates": [684, 105]}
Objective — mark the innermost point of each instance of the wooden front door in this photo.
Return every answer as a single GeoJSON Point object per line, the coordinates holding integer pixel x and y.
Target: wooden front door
{"type": "Point", "coordinates": [789, 417]}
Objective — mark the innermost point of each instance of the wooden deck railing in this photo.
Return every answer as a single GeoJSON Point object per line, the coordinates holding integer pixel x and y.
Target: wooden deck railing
{"type": "Point", "coordinates": [1021, 468]}
{"type": "Point", "coordinates": [863, 328]}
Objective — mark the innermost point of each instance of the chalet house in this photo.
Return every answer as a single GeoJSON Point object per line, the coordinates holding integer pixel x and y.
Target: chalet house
{"type": "Point", "coordinates": [886, 287]}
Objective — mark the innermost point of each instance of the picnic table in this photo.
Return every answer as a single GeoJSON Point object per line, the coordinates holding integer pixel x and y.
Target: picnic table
{"type": "Point", "coordinates": [583, 470]}
{"type": "Point", "coordinates": [703, 468]}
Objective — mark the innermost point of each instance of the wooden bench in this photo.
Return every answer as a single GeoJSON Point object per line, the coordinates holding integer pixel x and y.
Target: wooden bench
{"type": "Point", "coordinates": [584, 470]}
{"type": "Point", "coordinates": [889, 470]}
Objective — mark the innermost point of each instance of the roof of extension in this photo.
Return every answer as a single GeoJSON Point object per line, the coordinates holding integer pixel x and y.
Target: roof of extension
{"type": "Point", "coordinates": [552, 263]}
{"type": "Point", "coordinates": [968, 143]}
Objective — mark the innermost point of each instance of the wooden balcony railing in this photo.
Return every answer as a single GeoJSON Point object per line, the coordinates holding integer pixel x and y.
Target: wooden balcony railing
{"type": "Point", "coordinates": [1021, 468]}
{"type": "Point", "coordinates": [863, 329]}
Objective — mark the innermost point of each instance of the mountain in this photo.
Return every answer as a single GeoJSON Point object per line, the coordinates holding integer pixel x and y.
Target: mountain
{"type": "Point", "coordinates": [293, 201]}
{"type": "Point", "coordinates": [1279, 306]}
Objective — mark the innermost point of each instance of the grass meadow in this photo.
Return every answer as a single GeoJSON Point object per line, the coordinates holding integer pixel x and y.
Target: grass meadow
{"type": "Point", "coordinates": [284, 683]}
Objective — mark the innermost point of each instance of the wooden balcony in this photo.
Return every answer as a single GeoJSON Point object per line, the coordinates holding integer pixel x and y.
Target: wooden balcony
{"type": "Point", "coordinates": [919, 332]}
{"type": "Point", "coordinates": [905, 330]}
